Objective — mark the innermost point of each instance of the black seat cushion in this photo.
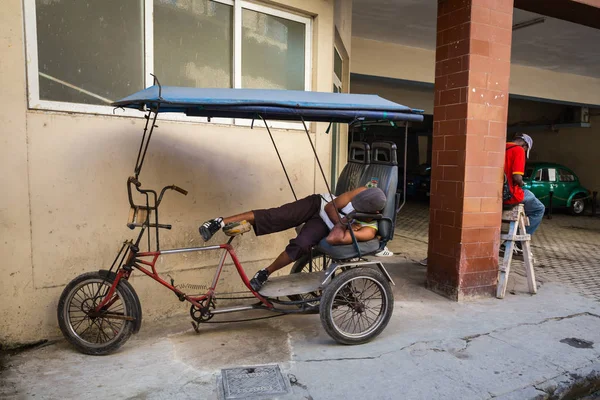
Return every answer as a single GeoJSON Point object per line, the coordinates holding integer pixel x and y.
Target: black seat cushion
{"type": "Point", "coordinates": [344, 252]}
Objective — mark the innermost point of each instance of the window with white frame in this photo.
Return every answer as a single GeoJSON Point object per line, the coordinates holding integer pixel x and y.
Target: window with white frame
{"type": "Point", "coordinates": [84, 54]}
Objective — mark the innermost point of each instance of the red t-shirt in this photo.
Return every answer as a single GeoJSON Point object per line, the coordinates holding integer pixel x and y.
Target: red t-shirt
{"type": "Point", "coordinates": [514, 164]}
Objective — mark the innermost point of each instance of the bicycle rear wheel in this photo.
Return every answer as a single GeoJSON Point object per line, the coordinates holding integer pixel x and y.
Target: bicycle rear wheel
{"type": "Point", "coordinates": [110, 328]}
{"type": "Point", "coordinates": [356, 306]}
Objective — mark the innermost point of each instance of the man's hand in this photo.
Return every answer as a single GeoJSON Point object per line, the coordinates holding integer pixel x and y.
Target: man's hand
{"type": "Point", "coordinates": [518, 180]}
{"type": "Point", "coordinates": [343, 222]}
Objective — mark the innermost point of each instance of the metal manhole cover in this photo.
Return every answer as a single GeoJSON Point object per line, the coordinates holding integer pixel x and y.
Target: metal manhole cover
{"type": "Point", "coordinates": [255, 381]}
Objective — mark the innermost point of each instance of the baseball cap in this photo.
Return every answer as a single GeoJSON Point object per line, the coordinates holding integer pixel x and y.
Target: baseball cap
{"type": "Point", "coordinates": [369, 201]}
{"type": "Point", "coordinates": [527, 140]}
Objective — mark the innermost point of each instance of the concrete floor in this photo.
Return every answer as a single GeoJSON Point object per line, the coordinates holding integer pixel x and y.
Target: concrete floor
{"type": "Point", "coordinates": [432, 349]}
{"type": "Point", "coordinates": [565, 247]}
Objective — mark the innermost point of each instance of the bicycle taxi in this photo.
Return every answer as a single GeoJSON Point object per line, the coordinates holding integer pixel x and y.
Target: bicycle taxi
{"type": "Point", "coordinates": [98, 311]}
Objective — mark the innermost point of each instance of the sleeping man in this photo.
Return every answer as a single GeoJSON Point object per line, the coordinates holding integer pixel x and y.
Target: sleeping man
{"type": "Point", "coordinates": [318, 213]}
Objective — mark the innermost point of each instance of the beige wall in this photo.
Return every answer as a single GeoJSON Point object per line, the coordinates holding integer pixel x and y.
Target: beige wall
{"type": "Point", "coordinates": [16, 281]}
{"type": "Point", "coordinates": [64, 208]}
{"type": "Point", "coordinates": [371, 57]}
{"type": "Point", "coordinates": [409, 95]}
{"type": "Point", "coordinates": [576, 148]}
{"type": "Point", "coordinates": [389, 60]}
{"type": "Point", "coordinates": [343, 22]}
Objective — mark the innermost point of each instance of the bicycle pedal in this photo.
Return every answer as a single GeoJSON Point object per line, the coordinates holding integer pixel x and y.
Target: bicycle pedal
{"type": "Point", "coordinates": [196, 326]}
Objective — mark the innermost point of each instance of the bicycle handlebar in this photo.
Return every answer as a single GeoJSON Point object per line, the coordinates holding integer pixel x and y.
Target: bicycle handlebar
{"type": "Point", "coordinates": [133, 180]}
{"type": "Point", "coordinates": [180, 190]}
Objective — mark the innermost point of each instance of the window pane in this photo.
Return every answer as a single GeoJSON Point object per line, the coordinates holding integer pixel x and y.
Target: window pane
{"type": "Point", "coordinates": [565, 176]}
{"type": "Point", "coordinates": [545, 176]}
{"type": "Point", "coordinates": [193, 43]}
{"type": "Point", "coordinates": [528, 172]}
{"type": "Point", "coordinates": [272, 52]}
{"type": "Point", "coordinates": [337, 64]}
{"type": "Point", "coordinates": [89, 51]}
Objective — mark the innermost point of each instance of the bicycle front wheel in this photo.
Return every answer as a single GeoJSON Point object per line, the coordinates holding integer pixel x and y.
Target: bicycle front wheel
{"type": "Point", "coordinates": [102, 332]}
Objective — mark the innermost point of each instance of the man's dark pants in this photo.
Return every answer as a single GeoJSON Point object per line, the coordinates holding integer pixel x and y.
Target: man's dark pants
{"type": "Point", "coordinates": [304, 211]}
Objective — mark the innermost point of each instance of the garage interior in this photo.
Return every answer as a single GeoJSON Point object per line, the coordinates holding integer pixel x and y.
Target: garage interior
{"type": "Point", "coordinates": [564, 132]}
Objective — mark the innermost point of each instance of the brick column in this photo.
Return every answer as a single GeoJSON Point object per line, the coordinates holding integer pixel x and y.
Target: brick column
{"type": "Point", "coordinates": [471, 100]}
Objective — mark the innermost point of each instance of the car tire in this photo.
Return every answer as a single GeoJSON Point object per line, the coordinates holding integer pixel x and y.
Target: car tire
{"type": "Point", "coordinates": [577, 205]}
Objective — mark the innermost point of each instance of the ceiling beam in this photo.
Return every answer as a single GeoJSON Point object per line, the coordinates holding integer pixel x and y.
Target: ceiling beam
{"type": "Point", "coordinates": [583, 12]}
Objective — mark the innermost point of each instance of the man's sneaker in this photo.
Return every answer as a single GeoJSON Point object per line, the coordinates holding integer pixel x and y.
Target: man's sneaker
{"type": "Point", "coordinates": [423, 262]}
{"type": "Point", "coordinates": [384, 253]}
{"type": "Point", "coordinates": [210, 227]}
{"type": "Point", "coordinates": [259, 279]}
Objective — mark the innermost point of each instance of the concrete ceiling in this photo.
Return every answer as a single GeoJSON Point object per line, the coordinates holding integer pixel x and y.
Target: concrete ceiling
{"type": "Point", "coordinates": [554, 45]}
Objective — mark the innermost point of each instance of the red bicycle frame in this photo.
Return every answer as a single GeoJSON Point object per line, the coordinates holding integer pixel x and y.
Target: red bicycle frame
{"type": "Point", "coordinates": [135, 259]}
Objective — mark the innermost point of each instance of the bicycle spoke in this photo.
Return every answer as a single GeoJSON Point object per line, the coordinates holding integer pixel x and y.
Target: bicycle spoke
{"type": "Point", "coordinates": [344, 325]}
{"type": "Point", "coordinates": [376, 314]}
{"type": "Point", "coordinates": [79, 298]}
{"type": "Point", "coordinates": [366, 320]}
{"type": "Point", "coordinates": [346, 318]}
{"type": "Point", "coordinates": [102, 330]}
{"type": "Point", "coordinates": [372, 297]}
{"type": "Point", "coordinates": [99, 330]}
{"type": "Point", "coordinates": [115, 331]}
{"type": "Point", "coordinates": [345, 314]}
{"type": "Point", "coordinates": [79, 323]}
{"type": "Point", "coordinates": [86, 329]}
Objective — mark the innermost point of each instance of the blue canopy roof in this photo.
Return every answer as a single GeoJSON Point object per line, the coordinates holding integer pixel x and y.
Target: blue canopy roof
{"type": "Point", "coordinates": [270, 104]}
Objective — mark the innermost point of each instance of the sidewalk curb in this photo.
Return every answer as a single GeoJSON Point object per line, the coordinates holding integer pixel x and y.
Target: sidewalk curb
{"type": "Point", "coordinates": [567, 386]}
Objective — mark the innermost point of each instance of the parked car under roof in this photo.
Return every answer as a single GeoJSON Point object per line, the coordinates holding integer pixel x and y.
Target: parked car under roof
{"type": "Point", "coordinates": [542, 178]}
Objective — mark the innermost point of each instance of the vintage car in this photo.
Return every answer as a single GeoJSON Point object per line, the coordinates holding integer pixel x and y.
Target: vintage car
{"type": "Point", "coordinates": [543, 178]}
{"type": "Point", "coordinates": [418, 182]}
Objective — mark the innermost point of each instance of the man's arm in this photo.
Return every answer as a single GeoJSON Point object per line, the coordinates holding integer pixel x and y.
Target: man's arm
{"type": "Point", "coordinates": [340, 202]}
{"type": "Point", "coordinates": [343, 236]}
{"type": "Point", "coordinates": [518, 167]}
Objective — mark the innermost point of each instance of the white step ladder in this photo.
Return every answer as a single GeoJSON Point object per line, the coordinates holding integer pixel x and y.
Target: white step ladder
{"type": "Point", "coordinates": [516, 233]}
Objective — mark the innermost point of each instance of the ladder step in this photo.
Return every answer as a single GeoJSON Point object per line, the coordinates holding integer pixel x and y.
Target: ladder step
{"type": "Point", "coordinates": [519, 238]}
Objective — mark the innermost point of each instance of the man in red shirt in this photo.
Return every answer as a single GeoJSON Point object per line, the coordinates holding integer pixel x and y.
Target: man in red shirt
{"type": "Point", "coordinates": [514, 167]}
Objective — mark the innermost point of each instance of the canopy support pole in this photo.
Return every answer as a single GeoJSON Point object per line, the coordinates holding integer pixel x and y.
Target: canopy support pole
{"type": "Point", "coordinates": [279, 156]}
{"type": "Point", "coordinates": [145, 142]}
{"type": "Point", "coordinates": [405, 158]}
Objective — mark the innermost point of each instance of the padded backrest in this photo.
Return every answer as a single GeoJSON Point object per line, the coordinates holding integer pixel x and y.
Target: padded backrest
{"type": "Point", "coordinates": [384, 153]}
{"type": "Point", "coordinates": [383, 173]}
{"type": "Point", "coordinates": [359, 159]}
